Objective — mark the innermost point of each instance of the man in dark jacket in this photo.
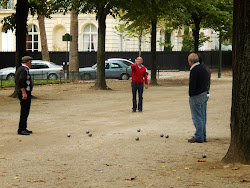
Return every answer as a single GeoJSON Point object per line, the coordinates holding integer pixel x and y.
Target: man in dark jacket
{"type": "Point", "coordinates": [24, 86]}
{"type": "Point", "coordinates": [198, 88]}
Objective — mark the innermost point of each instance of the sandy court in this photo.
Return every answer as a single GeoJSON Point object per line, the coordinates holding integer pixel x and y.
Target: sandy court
{"type": "Point", "coordinates": [112, 157]}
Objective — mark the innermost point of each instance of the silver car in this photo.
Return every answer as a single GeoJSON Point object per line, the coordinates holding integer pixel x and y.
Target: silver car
{"type": "Point", "coordinates": [39, 70]}
{"type": "Point", "coordinates": [113, 69]}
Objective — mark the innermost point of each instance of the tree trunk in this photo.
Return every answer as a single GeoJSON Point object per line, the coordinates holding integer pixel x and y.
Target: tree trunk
{"type": "Point", "coordinates": [153, 80]}
{"type": "Point", "coordinates": [45, 51]}
{"type": "Point", "coordinates": [239, 149]}
{"type": "Point", "coordinates": [22, 9]}
{"type": "Point", "coordinates": [73, 51]}
{"type": "Point", "coordinates": [196, 31]}
{"type": "Point", "coordinates": [139, 43]}
{"type": "Point", "coordinates": [100, 77]}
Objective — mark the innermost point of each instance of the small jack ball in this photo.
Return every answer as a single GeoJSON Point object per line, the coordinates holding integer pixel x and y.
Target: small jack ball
{"type": "Point", "coordinates": [204, 155]}
{"type": "Point", "coordinates": [161, 135]}
{"type": "Point", "coordinates": [137, 138]}
{"type": "Point", "coordinates": [166, 136]}
{"type": "Point", "coordinates": [90, 135]}
{"type": "Point", "coordinates": [138, 130]}
{"type": "Point", "coordinates": [87, 131]}
{"type": "Point", "coordinates": [68, 135]}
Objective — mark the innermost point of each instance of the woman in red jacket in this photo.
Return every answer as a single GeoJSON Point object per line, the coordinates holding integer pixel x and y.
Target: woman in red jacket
{"type": "Point", "coordinates": [139, 76]}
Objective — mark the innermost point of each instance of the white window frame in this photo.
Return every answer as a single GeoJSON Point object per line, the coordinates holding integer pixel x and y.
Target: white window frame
{"type": "Point", "coordinates": [32, 33]}
{"type": "Point", "coordinates": [92, 42]}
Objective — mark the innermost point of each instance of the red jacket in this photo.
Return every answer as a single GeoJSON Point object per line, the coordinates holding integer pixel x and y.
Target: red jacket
{"type": "Point", "coordinates": [138, 74]}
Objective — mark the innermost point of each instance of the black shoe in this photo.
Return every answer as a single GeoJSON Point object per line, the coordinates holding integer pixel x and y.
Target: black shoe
{"type": "Point", "coordinates": [133, 110]}
{"type": "Point", "coordinates": [28, 131]}
{"type": "Point", "coordinates": [140, 110]}
{"type": "Point", "coordinates": [193, 140]}
{"type": "Point", "coordinates": [23, 133]}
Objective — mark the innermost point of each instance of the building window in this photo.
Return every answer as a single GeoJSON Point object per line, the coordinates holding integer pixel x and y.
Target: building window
{"type": "Point", "coordinates": [8, 5]}
{"type": "Point", "coordinates": [162, 41]}
{"type": "Point", "coordinates": [121, 42]}
{"type": "Point", "coordinates": [32, 39]}
{"type": "Point", "coordinates": [7, 41]}
{"type": "Point", "coordinates": [90, 38]}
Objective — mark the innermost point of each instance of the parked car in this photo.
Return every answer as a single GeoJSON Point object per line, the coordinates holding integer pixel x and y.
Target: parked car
{"type": "Point", "coordinates": [113, 69]}
{"type": "Point", "coordinates": [39, 70]}
{"type": "Point", "coordinates": [127, 62]}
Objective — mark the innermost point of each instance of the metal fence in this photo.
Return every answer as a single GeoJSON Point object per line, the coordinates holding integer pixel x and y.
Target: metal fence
{"type": "Point", "coordinates": [175, 60]}
{"type": "Point", "coordinates": [39, 79]}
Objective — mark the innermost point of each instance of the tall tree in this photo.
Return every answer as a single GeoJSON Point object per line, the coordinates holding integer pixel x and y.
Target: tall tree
{"type": "Point", "coordinates": [18, 21]}
{"type": "Point", "coordinates": [43, 36]}
{"type": "Point", "coordinates": [73, 51]}
{"type": "Point", "coordinates": [22, 9]}
{"type": "Point", "coordinates": [239, 151]}
{"type": "Point", "coordinates": [151, 11]}
{"type": "Point", "coordinates": [101, 8]}
{"type": "Point", "coordinates": [197, 14]}
{"type": "Point", "coordinates": [43, 10]}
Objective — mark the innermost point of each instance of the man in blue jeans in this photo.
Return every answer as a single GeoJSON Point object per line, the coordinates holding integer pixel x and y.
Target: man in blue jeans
{"type": "Point", "coordinates": [198, 81]}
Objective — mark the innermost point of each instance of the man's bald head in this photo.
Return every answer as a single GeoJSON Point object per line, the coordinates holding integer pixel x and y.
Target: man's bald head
{"type": "Point", "coordinates": [193, 58]}
{"type": "Point", "coordinates": [139, 60]}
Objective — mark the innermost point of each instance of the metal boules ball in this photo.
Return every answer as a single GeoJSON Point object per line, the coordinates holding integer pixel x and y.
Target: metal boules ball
{"type": "Point", "coordinates": [138, 130]}
{"type": "Point", "coordinates": [90, 134]}
{"type": "Point", "coordinates": [137, 138]}
{"type": "Point", "coordinates": [204, 155]}
{"type": "Point", "coordinates": [161, 135]}
{"type": "Point", "coordinates": [68, 135]}
{"type": "Point", "coordinates": [87, 131]}
{"type": "Point", "coordinates": [166, 136]}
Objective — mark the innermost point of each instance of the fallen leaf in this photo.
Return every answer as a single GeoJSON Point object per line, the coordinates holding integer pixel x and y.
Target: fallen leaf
{"type": "Point", "coordinates": [39, 157]}
{"type": "Point", "coordinates": [186, 168]}
{"type": "Point", "coordinates": [62, 178]}
{"type": "Point", "coordinates": [5, 158]}
{"type": "Point", "coordinates": [168, 172]}
{"type": "Point", "coordinates": [36, 181]}
{"type": "Point", "coordinates": [163, 166]}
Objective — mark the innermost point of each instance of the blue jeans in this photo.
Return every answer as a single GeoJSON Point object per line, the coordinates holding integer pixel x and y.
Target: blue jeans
{"type": "Point", "coordinates": [137, 87]}
{"type": "Point", "coordinates": [198, 107]}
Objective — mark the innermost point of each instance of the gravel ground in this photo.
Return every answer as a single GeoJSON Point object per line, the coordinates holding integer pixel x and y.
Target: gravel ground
{"type": "Point", "coordinates": [112, 157]}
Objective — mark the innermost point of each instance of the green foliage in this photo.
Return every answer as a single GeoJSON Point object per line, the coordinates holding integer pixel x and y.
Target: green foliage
{"type": "Point", "coordinates": [167, 44]}
{"type": "Point", "coordinates": [214, 14]}
{"type": "Point", "coordinates": [187, 42]}
{"type": "Point", "coordinates": [9, 23]}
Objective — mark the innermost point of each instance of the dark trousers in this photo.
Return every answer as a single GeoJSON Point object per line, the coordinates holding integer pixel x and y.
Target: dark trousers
{"type": "Point", "coordinates": [25, 110]}
{"type": "Point", "coordinates": [137, 87]}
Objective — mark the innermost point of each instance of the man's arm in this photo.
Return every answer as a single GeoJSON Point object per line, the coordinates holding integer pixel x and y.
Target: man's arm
{"type": "Point", "coordinates": [21, 82]}
{"type": "Point", "coordinates": [192, 83]}
{"type": "Point", "coordinates": [133, 66]}
{"type": "Point", "coordinates": [145, 78]}
{"type": "Point", "coordinates": [24, 93]}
